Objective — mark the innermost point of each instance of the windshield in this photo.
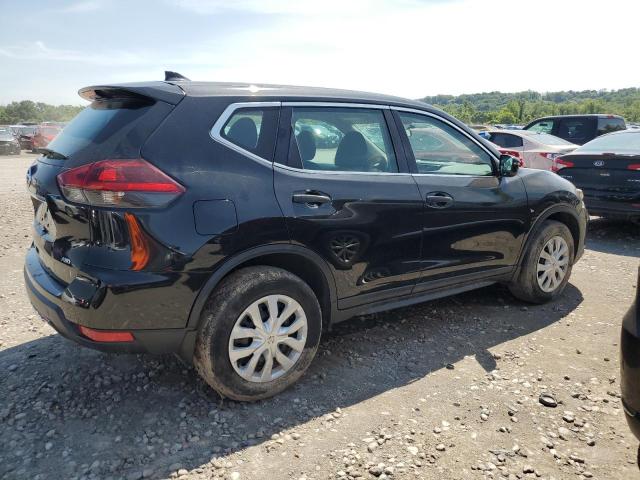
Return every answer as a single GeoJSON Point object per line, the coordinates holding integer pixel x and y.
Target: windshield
{"type": "Point", "coordinates": [547, 139]}
{"type": "Point", "coordinates": [625, 143]}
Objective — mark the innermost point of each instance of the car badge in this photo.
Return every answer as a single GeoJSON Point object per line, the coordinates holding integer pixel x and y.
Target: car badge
{"type": "Point", "coordinates": [599, 163]}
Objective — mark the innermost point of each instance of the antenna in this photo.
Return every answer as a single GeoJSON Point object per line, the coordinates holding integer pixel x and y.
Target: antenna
{"type": "Point", "coordinates": [174, 76]}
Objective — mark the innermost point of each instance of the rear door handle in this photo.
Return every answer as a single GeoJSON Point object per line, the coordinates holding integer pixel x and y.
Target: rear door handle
{"type": "Point", "coordinates": [311, 198]}
{"type": "Point", "coordinates": [439, 200]}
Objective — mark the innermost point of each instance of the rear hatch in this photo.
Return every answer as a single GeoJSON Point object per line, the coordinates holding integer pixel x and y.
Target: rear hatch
{"type": "Point", "coordinates": [66, 234]}
{"type": "Point", "coordinates": [605, 176]}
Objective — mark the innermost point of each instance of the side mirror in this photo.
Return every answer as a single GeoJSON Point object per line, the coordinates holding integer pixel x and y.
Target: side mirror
{"type": "Point", "coordinates": [508, 165]}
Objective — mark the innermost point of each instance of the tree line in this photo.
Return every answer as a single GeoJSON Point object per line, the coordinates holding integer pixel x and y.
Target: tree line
{"type": "Point", "coordinates": [522, 107]}
{"type": "Point", "coordinates": [491, 107]}
{"type": "Point", "coordinates": [29, 111]}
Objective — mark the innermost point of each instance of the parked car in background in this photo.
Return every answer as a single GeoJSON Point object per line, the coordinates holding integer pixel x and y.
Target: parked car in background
{"type": "Point", "coordinates": [630, 364]}
{"type": "Point", "coordinates": [577, 129]}
{"type": "Point", "coordinates": [142, 243]}
{"type": "Point", "coordinates": [533, 149]}
{"type": "Point", "coordinates": [43, 135]}
{"type": "Point", "coordinates": [25, 135]}
{"type": "Point", "coordinates": [9, 144]}
{"type": "Point", "coordinates": [607, 170]}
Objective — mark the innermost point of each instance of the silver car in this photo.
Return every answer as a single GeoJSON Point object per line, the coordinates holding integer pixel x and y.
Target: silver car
{"type": "Point", "coordinates": [534, 149]}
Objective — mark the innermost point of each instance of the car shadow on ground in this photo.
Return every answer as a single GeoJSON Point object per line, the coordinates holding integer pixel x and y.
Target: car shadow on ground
{"type": "Point", "coordinates": [614, 236]}
{"type": "Point", "coordinates": [77, 412]}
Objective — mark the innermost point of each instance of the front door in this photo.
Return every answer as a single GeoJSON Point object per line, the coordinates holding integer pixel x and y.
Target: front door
{"type": "Point", "coordinates": [346, 193]}
{"type": "Point", "coordinates": [473, 221]}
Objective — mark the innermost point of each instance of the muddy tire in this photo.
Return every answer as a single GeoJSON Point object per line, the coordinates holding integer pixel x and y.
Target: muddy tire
{"type": "Point", "coordinates": [546, 266]}
{"type": "Point", "coordinates": [260, 330]}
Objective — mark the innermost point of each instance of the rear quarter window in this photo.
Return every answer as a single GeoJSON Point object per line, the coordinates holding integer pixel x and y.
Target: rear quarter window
{"type": "Point", "coordinates": [253, 130]}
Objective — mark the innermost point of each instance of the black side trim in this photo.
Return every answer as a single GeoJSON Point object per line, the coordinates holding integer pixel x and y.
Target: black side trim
{"type": "Point", "coordinates": [408, 300]}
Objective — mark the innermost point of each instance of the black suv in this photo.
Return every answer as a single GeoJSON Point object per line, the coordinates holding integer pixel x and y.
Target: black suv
{"type": "Point", "coordinates": [578, 129]}
{"type": "Point", "coordinates": [214, 221]}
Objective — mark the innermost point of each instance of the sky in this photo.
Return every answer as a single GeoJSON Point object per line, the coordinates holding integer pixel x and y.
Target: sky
{"type": "Point", "coordinates": [411, 48]}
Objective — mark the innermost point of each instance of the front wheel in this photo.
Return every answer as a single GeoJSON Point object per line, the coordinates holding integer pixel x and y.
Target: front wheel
{"type": "Point", "coordinates": [261, 329]}
{"type": "Point", "coordinates": [547, 264]}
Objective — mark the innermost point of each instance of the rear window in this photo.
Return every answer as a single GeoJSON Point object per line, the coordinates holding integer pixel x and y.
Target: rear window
{"type": "Point", "coordinates": [608, 125]}
{"type": "Point", "coordinates": [506, 140]}
{"type": "Point", "coordinates": [110, 129]}
{"type": "Point", "coordinates": [626, 143]}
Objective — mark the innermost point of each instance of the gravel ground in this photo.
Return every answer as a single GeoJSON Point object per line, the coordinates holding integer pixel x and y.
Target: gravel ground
{"type": "Point", "coordinates": [448, 389]}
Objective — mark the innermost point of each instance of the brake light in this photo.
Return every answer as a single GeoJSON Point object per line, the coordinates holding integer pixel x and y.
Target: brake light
{"type": "Point", "coordinates": [634, 166]}
{"type": "Point", "coordinates": [559, 163]}
{"type": "Point", "coordinates": [119, 183]}
{"type": "Point", "coordinates": [106, 335]}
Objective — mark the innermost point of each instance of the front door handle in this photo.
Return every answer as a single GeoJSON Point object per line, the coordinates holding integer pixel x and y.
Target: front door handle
{"type": "Point", "coordinates": [311, 198]}
{"type": "Point", "coordinates": [439, 200]}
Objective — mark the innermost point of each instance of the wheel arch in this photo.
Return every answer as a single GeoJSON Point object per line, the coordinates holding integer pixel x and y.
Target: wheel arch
{"type": "Point", "coordinates": [562, 213]}
{"type": "Point", "coordinates": [300, 261]}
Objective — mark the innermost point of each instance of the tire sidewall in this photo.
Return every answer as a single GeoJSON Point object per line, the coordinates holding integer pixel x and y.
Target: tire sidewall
{"type": "Point", "coordinates": [550, 230]}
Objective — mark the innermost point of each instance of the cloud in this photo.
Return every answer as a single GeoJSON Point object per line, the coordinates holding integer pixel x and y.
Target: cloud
{"type": "Point", "coordinates": [306, 8]}
{"type": "Point", "coordinates": [84, 6]}
{"type": "Point", "coordinates": [38, 50]}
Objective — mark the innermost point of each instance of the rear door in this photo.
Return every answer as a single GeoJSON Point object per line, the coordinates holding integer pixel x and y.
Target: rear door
{"type": "Point", "coordinates": [473, 221]}
{"type": "Point", "coordinates": [345, 191]}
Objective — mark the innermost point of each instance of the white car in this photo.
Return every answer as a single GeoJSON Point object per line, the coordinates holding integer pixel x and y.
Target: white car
{"type": "Point", "coordinates": [533, 149]}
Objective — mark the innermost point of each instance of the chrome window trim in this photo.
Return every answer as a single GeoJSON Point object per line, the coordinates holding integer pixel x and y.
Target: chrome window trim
{"type": "Point", "coordinates": [216, 134]}
{"type": "Point", "coordinates": [216, 131]}
{"type": "Point", "coordinates": [336, 172]}
{"type": "Point", "coordinates": [451, 124]}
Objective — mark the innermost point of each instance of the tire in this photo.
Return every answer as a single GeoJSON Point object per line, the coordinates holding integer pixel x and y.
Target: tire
{"type": "Point", "coordinates": [526, 286]}
{"type": "Point", "coordinates": [227, 308]}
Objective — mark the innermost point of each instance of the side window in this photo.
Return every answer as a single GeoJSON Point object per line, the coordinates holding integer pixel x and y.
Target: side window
{"type": "Point", "coordinates": [543, 126]}
{"type": "Point", "coordinates": [253, 129]}
{"type": "Point", "coordinates": [506, 140]}
{"type": "Point", "coordinates": [440, 149]}
{"type": "Point", "coordinates": [341, 139]}
{"type": "Point", "coordinates": [576, 130]}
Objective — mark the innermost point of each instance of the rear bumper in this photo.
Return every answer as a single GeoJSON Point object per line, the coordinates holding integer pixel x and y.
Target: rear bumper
{"type": "Point", "coordinates": [56, 305]}
{"type": "Point", "coordinates": [613, 208]}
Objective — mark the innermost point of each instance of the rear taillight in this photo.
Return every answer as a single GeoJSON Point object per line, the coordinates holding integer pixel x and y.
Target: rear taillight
{"type": "Point", "coordinates": [119, 183]}
{"type": "Point", "coordinates": [634, 166]}
{"type": "Point", "coordinates": [559, 163]}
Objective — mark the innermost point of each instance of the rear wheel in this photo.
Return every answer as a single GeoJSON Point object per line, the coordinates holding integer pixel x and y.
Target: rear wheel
{"type": "Point", "coordinates": [547, 264]}
{"type": "Point", "coordinates": [261, 329]}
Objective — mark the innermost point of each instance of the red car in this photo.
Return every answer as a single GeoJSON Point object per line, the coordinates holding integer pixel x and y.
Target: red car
{"type": "Point", "coordinates": [44, 134]}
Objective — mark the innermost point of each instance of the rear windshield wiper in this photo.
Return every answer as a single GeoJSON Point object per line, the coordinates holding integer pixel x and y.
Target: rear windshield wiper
{"type": "Point", "coordinates": [47, 152]}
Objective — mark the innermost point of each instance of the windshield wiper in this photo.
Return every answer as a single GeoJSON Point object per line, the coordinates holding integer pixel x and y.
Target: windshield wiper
{"type": "Point", "coordinates": [47, 152]}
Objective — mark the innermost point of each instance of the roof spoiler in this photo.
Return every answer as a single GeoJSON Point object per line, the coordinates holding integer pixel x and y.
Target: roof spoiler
{"type": "Point", "coordinates": [158, 91]}
{"type": "Point", "coordinates": [174, 77]}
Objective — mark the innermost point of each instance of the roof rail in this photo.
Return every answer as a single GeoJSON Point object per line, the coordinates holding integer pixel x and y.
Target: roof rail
{"type": "Point", "coordinates": [174, 76]}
